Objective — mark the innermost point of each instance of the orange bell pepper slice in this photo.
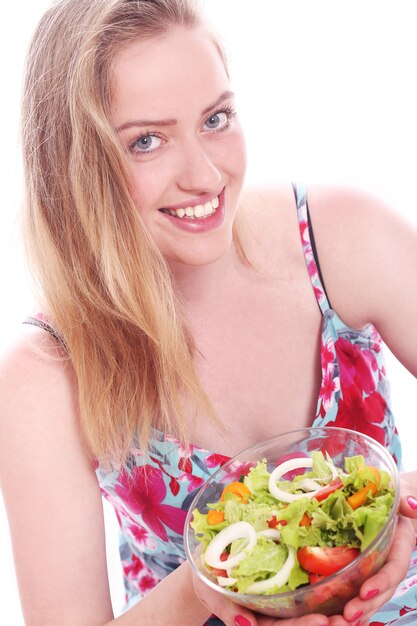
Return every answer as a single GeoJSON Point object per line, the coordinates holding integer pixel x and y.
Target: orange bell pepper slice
{"type": "Point", "coordinates": [238, 489]}
{"type": "Point", "coordinates": [305, 520]}
{"type": "Point", "coordinates": [357, 499]}
{"type": "Point", "coordinates": [215, 517]}
{"type": "Point", "coordinates": [373, 470]}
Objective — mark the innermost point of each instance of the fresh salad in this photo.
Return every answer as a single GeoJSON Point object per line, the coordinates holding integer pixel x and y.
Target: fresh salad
{"type": "Point", "coordinates": [274, 532]}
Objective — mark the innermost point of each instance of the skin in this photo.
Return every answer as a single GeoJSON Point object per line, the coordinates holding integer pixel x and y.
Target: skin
{"type": "Point", "coordinates": [53, 501]}
{"type": "Point", "coordinates": [186, 159]}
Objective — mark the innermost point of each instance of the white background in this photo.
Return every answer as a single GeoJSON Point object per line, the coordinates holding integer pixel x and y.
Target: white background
{"type": "Point", "coordinates": [326, 94]}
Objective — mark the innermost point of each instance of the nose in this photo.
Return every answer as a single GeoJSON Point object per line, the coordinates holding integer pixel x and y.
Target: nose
{"type": "Point", "coordinates": [198, 171]}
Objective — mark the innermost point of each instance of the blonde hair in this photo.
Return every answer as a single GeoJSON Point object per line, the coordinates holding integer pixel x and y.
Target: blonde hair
{"type": "Point", "coordinates": [107, 288]}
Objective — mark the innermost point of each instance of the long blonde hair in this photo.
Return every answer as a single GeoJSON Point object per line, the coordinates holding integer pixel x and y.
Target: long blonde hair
{"type": "Point", "coordinates": [107, 288]}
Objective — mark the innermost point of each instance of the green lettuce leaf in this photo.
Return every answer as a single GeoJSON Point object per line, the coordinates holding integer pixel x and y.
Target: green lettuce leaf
{"type": "Point", "coordinates": [258, 477]}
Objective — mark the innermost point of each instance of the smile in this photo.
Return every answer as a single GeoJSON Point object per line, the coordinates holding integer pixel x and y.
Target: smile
{"type": "Point", "coordinates": [200, 211]}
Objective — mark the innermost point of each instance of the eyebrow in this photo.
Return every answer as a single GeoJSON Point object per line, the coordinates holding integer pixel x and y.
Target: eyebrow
{"type": "Point", "coordinates": [172, 121]}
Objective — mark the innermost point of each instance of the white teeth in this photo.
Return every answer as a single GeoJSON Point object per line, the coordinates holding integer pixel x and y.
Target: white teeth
{"type": "Point", "coordinates": [208, 208]}
{"type": "Point", "coordinates": [198, 211]}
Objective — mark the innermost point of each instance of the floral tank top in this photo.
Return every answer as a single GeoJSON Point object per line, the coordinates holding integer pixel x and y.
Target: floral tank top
{"type": "Point", "coordinates": [151, 494]}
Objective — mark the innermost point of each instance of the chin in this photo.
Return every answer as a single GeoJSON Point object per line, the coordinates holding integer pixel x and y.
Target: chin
{"type": "Point", "coordinates": [201, 256]}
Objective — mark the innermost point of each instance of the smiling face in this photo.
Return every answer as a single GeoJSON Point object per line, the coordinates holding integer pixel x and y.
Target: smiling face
{"type": "Point", "coordinates": [174, 113]}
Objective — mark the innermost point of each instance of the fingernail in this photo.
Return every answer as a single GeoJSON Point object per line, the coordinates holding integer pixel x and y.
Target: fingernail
{"type": "Point", "coordinates": [356, 616]}
{"type": "Point", "coordinates": [372, 594]}
{"type": "Point", "coordinates": [242, 621]}
{"type": "Point", "coordinates": [412, 503]}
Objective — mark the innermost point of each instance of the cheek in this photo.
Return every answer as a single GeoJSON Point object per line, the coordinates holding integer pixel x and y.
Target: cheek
{"type": "Point", "coordinates": [146, 186]}
{"type": "Point", "coordinates": [235, 154]}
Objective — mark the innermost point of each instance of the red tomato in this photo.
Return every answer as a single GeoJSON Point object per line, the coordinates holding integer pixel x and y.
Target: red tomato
{"type": "Point", "coordinates": [333, 485]}
{"type": "Point", "coordinates": [221, 572]}
{"type": "Point", "coordinates": [315, 578]}
{"type": "Point", "coordinates": [326, 561]}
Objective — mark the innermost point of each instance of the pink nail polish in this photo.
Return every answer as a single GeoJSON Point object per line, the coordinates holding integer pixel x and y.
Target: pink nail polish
{"type": "Point", "coordinates": [412, 503]}
{"type": "Point", "coordinates": [356, 616]}
{"type": "Point", "coordinates": [371, 594]}
{"type": "Point", "coordinates": [242, 621]}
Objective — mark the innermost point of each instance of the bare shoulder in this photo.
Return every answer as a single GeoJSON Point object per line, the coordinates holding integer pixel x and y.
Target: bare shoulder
{"type": "Point", "coordinates": [364, 246]}
{"type": "Point", "coordinates": [34, 369]}
{"type": "Point", "coordinates": [38, 400]}
{"type": "Point", "coordinates": [336, 209]}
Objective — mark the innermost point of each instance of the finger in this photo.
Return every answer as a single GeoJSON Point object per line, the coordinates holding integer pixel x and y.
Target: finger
{"type": "Point", "coordinates": [311, 619]}
{"type": "Point", "coordinates": [408, 504]}
{"type": "Point", "coordinates": [233, 614]}
{"type": "Point", "coordinates": [379, 588]}
{"type": "Point", "coordinates": [338, 620]}
{"type": "Point", "coordinates": [359, 611]}
{"type": "Point", "coordinates": [408, 495]}
{"type": "Point", "coordinates": [396, 566]}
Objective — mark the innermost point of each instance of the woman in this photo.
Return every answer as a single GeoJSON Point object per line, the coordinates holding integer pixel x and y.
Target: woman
{"type": "Point", "coordinates": [176, 310]}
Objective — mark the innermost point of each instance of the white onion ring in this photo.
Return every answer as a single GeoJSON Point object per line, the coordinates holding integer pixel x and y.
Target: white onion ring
{"type": "Point", "coordinates": [270, 533]}
{"type": "Point", "coordinates": [288, 466]}
{"type": "Point", "coordinates": [238, 530]}
{"type": "Point", "coordinates": [279, 579]}
{"type": "Point", "coordinates": [224, 581]}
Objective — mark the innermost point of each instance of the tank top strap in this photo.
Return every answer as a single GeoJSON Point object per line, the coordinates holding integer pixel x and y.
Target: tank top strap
{"type": "Point", "coordinates": [309, 247]}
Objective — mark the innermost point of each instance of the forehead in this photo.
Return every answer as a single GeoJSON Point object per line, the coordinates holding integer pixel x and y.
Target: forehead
{"type": "Point", "coordinates": [158, 76]}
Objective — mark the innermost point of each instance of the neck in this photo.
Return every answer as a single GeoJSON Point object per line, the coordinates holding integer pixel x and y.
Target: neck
{"type": "Point", "coordinates": [199, 284]}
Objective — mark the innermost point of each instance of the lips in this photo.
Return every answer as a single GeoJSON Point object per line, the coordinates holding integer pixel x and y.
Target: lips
{"type": "Point", "coordinates": [199, 211]}
{"type": "Point", "coordinates": [198, 217]}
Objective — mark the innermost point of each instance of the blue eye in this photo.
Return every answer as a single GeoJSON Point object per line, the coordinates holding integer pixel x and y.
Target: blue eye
{"type": "Point", "coordinates": [146, 143]}
{"type": "Point", "coordinates": [217, 121]}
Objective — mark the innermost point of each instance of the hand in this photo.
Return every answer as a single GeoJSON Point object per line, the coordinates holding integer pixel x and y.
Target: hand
{"type": "Point", "coordinates": [233, 614]}
{"type": "Point", "coordinates": [378, 589]}
{"type": "Point", "coordinates": [374, 593]}
{"type": "Point", "coordinates": [408, 500]}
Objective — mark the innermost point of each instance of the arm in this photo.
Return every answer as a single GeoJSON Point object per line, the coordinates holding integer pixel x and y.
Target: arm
{"type": "Point", "coordinates": [367, 250]}
{"type": "Point", "coordinates": [53, 503]}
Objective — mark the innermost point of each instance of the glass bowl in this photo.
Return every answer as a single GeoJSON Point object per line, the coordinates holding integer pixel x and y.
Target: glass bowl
{"type": "Point", "coordinates": [331, 594]}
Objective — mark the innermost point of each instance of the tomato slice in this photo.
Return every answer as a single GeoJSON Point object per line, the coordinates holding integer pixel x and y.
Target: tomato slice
{"type": "Point", "coordinates": [333, 485]}
{"type": "Point", "coordinates": [326, 561]}
{"type": "Point", "coordinates": [219, 572]}
{"type": "Point", "coordinates": [315, 578]}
